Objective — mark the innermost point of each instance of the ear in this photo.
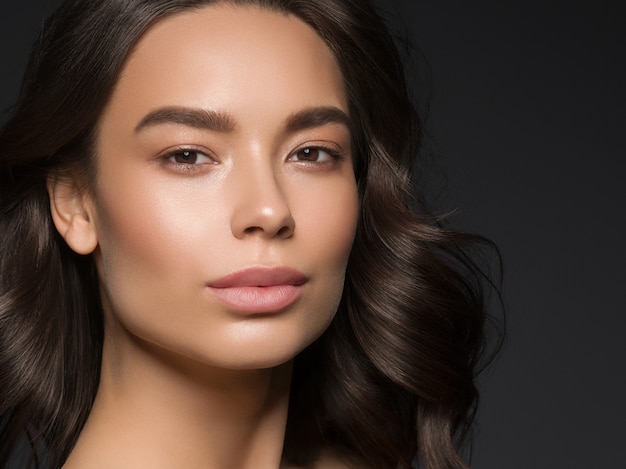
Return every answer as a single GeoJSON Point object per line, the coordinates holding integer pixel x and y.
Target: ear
{"type": "Point", "coordinates": [72, 213]}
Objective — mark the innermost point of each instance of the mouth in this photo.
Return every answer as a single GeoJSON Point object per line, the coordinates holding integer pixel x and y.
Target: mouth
{"type": "Point", "coordinates": [259, 290]}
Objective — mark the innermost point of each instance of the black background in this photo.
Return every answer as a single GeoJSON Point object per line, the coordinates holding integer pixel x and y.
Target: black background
{"type": "Point", "coordinates": [528, 114]}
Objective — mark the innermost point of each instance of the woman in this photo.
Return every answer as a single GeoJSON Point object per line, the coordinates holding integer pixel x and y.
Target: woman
{"type": "Point", "coordinates": [209, 257]}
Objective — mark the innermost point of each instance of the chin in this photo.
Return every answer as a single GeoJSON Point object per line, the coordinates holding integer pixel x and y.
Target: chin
{"type": "Point", "coordinates": [270, 357]}
{"type": "Point", "coordinates": [267, 350]}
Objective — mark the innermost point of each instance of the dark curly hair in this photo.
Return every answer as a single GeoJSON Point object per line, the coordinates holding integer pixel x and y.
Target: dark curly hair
{"type": "Point", "coordinates": [390, 383]}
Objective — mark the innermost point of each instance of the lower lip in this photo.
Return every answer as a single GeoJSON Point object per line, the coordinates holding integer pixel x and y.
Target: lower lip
{"type": "Point", "coordinates": [270, 299]}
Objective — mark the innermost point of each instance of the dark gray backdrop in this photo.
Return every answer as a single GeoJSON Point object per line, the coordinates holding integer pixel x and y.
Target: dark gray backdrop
{"type": "Point", "coordinates": [528, 113]}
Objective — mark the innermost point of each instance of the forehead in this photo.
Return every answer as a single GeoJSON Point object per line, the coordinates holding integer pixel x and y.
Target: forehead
{"type": "Point", "coordinates": [224, 56]}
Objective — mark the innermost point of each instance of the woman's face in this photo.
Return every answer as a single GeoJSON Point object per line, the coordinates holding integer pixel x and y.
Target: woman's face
{"type": "Point", "coordinates": [225, 204]}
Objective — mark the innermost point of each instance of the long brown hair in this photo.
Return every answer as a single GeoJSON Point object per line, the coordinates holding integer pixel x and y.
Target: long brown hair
{"type": "Point", "coordinates": [389, 383]}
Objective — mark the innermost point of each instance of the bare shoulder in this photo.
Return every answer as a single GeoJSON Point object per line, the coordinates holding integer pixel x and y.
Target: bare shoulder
{"type": "Point", "coordinates": [330, 460]}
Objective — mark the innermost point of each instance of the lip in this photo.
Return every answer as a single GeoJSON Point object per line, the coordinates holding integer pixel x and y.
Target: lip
{"type": "Point", "coordinates": [259, 290]}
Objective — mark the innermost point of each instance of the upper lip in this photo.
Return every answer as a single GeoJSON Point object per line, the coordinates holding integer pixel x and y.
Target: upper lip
{"type": "Point", "coordinates": [260, 277]}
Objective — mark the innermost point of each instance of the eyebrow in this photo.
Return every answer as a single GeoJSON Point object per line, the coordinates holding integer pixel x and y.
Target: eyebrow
{"type": "Point", "coordinates": [190, 117]}
{"type": "Point", "coordinates": [212, 120]}
{"type": "Point", "coordinates": [316, 117]}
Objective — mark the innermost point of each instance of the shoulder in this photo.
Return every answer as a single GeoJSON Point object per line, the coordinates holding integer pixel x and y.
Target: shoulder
{"type": "Point", "coordinates": [331, 460]}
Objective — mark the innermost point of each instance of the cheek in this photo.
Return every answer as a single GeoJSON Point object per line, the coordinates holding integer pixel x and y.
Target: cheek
{"type": "Point", "coordinates": [327, 220]}
{"type": "Point", "coordinates": [332, 234]}
{"type": "Point", "coordinates": [331, 218]}
{"type": "Point", "coordinates": [132, 229]}
{"type": "Point", "coordinates": [149, 245]}
{"type": "Point", "coordinates": [156, 221]}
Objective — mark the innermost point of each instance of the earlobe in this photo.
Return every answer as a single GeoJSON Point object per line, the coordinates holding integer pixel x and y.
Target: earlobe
{"type": "Point", "coordinates": [72, 214]}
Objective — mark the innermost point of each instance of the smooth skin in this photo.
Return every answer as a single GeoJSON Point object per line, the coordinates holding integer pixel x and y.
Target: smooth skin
{"type": "Point", "coordinates": [224, 146]}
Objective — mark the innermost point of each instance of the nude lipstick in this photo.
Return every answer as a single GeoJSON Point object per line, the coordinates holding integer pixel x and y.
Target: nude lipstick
{"type": "Point", "coordinates": [259, 290]}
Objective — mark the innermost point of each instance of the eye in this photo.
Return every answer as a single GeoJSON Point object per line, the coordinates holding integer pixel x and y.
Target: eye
{"type": "Point", "coordinates": [188, 157]}
{"type": "Point", "coordinates": [187, 160]}
{"type": "Point", "coordinates": [314, 155]}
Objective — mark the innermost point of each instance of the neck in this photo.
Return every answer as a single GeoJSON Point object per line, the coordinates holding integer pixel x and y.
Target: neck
{"type": "Point", "coordinates": [157, 410]}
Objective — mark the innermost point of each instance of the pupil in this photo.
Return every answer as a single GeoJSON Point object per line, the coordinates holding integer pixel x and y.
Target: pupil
{"type": "Point", "coordinates": [185, 156]}
{"type": "Point", "coordinates": [309, 153]}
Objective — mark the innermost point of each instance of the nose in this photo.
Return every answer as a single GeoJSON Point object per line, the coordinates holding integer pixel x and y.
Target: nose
{"type": "Point", "coordinates": [261, 207]}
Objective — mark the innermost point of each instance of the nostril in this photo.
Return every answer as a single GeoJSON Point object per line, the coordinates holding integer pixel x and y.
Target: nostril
{"type": "Point", "coordinates": [284, 232]}
{"type": "Point", "coordinates": [252, 229]}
